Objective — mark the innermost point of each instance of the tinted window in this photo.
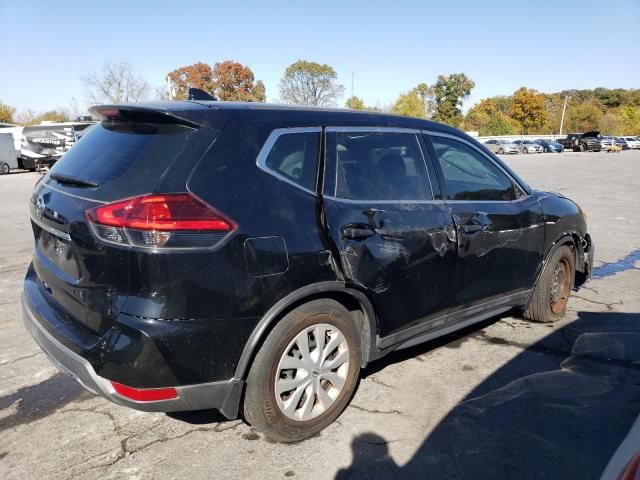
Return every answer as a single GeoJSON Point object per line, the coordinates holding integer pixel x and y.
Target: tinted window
{"type": "Point", "coordinates": [129, 158]}
{"type": "Point", "coordinates": [109, 150]}
{"type": "Point", "coordinates": [469, 175]}
{"type": "Point", "coordinates": [380, 166]}
{"type": "Point", "coordinates": [295, 157]}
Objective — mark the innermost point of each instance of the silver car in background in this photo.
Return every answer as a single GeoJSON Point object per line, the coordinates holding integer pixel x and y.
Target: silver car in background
{"type": "Point", "coordinates": [501, 146]}
{"type": "Point", "coordinates": [528, 146]}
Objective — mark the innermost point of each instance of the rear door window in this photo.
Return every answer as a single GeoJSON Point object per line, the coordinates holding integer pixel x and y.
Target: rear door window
{"type": "Point", "coordinates": [380, 166]}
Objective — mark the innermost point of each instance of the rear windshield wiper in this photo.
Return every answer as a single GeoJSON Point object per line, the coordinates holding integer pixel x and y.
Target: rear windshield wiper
{"type": "Point", "coordinates": [70, 180]}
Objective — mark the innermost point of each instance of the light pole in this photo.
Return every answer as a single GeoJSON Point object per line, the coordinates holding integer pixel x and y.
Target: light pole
{"type": "Point", "coordinates": [564, 107]}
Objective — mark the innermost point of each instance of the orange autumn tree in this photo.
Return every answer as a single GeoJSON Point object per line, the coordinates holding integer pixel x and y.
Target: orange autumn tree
{"type": "Point", "coordinates": [235, 82]}
{"type": "Point", "coordinates": [228, 80]}
{"type": "Point", "coordinates": [199, 75]}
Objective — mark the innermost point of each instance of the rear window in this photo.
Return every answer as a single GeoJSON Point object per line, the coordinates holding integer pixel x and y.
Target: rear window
{"type": "Point", "coordinates": [128, 158]}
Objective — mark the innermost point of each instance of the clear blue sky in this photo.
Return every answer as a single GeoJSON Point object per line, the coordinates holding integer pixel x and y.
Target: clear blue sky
{"type": "Point", "coordinates": [391, 46]}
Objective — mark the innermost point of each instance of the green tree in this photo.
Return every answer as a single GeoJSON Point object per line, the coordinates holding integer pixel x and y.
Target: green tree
{"type": "Point", "coordinates": [199, 75]}
{"type": "Point", "coordinates": [409, 105]}
{"type": "Point", "coordinates": [610, 124]}
{"type": "Point", "coordinates": [503, 103]}
{"type": "Point", "coordinates": [528, 110]}
{"type": "Point", "coordinates": [310, 83]}
{"type": "Point", "coordinates": [418, 102]}
{"type": "Point", "coordinates": [584, 117]}
{"type": "Point", "coordinates": [499, 124]}
{"type": "Point", "coordinates": [355, 103]}
{"type": "Point", "coordinates": [236, 83]}
{"type": "Point", "coordinates": [486, 119]}
{"type": "Point", "coordinates": [32, 118]}
{"type": "Point", "coordinates": [629, 118]}
{"type": "Point", "coordinates": [478, 115]}
{"type": "Point", "coordinates": [53, 116]}
{"type": "Point", "coordinates": [449, 93]}
{"type": "Point", "coordinates": [6, 113]}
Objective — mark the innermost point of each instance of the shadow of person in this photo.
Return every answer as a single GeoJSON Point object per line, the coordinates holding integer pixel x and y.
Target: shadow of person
{"type": "Point", "coordinates": [370, 459]}
{"type": "Point", "coordinates": [557, 410]}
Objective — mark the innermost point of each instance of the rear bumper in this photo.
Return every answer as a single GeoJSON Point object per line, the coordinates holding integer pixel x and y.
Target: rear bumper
{"type": "Point", "coordinates": [223, 395]}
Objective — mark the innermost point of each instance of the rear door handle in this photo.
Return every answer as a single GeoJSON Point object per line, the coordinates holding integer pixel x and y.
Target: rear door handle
{"type": "Point", "coordinates": [472, 227]}
{"type": "Point", "coordinates": [357, 232]}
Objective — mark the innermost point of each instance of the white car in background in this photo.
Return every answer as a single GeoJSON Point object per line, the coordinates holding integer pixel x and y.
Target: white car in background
{"type": "Point", "coordinates": [632, 142]}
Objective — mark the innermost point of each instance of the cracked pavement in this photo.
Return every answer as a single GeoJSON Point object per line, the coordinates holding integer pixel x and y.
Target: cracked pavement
{"type": "Point", "coordinates": [504, 399]}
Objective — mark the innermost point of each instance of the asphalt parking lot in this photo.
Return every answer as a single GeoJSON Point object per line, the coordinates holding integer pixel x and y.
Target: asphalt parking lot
{"type": "Point", "coordinates": [504, 399]}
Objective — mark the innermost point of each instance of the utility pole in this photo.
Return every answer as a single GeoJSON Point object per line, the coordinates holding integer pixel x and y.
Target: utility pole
{"type": "Point", "coordinates": [564, 107]}
{"type": "Point", "coordinates": [352, 83]}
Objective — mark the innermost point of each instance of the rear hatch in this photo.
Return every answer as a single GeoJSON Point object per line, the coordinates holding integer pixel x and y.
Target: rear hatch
{"type": "Point", "coordinates": [133, 151]}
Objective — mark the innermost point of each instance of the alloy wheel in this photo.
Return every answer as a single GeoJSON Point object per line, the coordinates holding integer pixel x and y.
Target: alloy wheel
{"type": "Point", "coordinates": [312, 372]}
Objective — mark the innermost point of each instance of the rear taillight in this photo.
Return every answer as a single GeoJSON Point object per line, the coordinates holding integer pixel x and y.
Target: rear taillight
{"type": "Point", "coordinates": [174, 220]}
{"type": "Point", "coordinates": [632, 470]}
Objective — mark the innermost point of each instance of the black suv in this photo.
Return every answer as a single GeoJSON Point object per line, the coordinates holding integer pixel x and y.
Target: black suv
{"type": "Point", "coordinates": [582, 142]}
{"type": "Point", "coordinates": [194, 255]}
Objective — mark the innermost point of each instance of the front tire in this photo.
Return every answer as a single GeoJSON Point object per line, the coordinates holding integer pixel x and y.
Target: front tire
{"type": "Point", "coordinates": [551, 294]}
{"type": "Point", "coordinates": [501, 152]}
{"type": "Point", "coordinates": [525, 151]}
{"type": "Point", "coordinates": [305, 372]}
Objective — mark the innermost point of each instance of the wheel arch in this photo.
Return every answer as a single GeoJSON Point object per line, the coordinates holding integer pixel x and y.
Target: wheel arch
{"type": "Point", "coordinates": [571, 239]}
{"type": "Point", "coordinates": [353, 300]}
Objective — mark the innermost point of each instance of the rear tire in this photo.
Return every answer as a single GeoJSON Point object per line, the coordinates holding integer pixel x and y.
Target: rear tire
{"type": "Point", "coordinates": [500, 151]}
{"type": "Point", "coordinates": [525, 151]}
{"type": "Point", "coordinates": [551, 294]}
{"type": "Point", "coordinates": [5, 169]}
{"type": "Point", "coordinates": [581, 148]}
{"type": "Point", "coordinates": [289, 367]}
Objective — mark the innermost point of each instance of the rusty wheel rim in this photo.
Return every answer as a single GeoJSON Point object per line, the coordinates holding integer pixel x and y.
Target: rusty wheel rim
{"type": "Point", "coordinates": [560, 286]}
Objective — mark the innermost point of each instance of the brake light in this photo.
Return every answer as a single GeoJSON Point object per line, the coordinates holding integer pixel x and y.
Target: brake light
{"type": "Point", "coordinates": [632, 470]}
{"type": "Point", "coordinates": [168, 220]}
{"type": "Point", "coordinates": [145, 394]}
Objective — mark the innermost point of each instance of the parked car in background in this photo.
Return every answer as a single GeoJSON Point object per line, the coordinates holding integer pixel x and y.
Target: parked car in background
{"type": "Point", "coordinates": [501, 146]}
{"type": "Point", "coordinates": [582, 142]}
{"type": "Point", "coordinates": [157, 286]}
{"type": "Point", "coordinates": [549, 145]}
{"type": "Point", "coordinates": [528, 146]}
{"type": "Point", "coordinates": [622, 143]}
{"type": "Point", "coordinates": [632, 142]}
{"type": "Point", "coordinates": [606, 142]}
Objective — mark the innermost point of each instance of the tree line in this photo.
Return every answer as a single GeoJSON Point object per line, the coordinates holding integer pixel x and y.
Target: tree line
{"type": "Point", "coordinates": [526, 111]}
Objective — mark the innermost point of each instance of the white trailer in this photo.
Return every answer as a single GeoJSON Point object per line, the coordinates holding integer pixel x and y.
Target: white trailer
{"type": "Point", "coordinates": [8, 156]}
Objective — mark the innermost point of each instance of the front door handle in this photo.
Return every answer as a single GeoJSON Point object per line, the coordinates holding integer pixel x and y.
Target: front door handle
{"type": "Point", "coordinates": [357, 231]}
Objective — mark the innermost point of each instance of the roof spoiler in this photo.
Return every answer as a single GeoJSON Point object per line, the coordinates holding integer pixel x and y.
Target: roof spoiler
{"type": "Point", "coordinates": [139, 114]}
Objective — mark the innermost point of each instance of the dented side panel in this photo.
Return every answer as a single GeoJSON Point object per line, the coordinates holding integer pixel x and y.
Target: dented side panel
{"type": "Point", "coordinates": [500, 247]}
{"type": "Point", "coordinates": [402, 255]}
